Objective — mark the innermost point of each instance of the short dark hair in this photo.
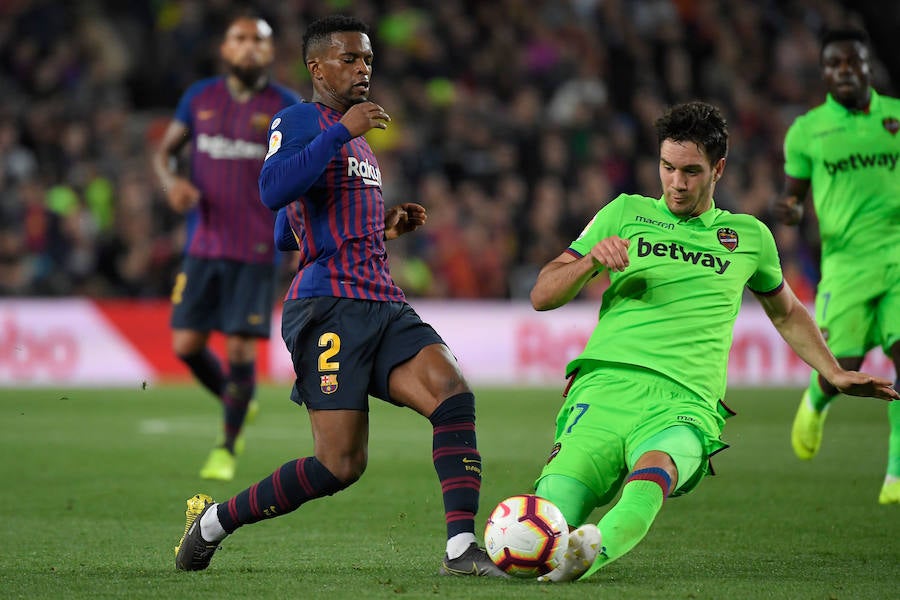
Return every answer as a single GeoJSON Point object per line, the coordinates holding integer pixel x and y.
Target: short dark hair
{"type": "Point", "coordinates": [321, 29]}
{"type": "Point", "coordinates": [844, 35]}
{"type": "Point", "coordinates": [697, 122]}
{"type": "Point", "coordinates": [830, 36]}
{"type": "Point", "coordinates": [243, 13]}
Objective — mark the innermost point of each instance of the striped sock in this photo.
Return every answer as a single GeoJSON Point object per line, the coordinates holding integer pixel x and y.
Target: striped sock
{"type": "Point", "coordinates": [294, 483]}
{"type": "Point", "coordinates": [235, 399]}
{"type": "Point", "coordinates": [457, 461]}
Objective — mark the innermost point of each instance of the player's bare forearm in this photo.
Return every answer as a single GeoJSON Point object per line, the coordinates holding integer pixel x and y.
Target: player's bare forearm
{"type": "Point", "coordinates": [181, 194]}
{"type": "Point", "coordinates": [560, 281]}
{"type": "Point", "coordinates": [161, 169]}
{"type": "Point", "coordinates": [174, 138]}
{"type": "Point", "coordinates": [800, 331]}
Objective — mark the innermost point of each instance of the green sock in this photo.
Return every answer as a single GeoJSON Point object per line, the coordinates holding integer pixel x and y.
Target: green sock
{"type": "Point", "coordinates": [893, 466]}
{"type": "Point", "coordinates": [817, 397]}
{"type": "Point", "coordinates": [628, 521]}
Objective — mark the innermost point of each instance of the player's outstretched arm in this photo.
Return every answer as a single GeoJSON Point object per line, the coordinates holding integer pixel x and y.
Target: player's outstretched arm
{"type": "Point", "coordinates": [800, 331]}
{"type": "Point", "coordinates": [289, 171]}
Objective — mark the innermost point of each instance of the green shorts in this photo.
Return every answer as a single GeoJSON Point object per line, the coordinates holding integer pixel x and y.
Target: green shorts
{"type": "Point", "coordinates": [858, 309]}
{"type": "Point", "coordinates": [611, 412]}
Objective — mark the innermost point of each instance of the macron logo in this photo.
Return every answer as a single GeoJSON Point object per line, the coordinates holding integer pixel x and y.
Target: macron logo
{"type": "Point", "coordinates": [679, 252]}
{"type": "Point", "coordinates": [369, 172]}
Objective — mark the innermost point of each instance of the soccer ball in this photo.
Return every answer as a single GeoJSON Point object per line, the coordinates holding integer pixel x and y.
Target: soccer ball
{"type": "Point", "coordinates": [526, 536]}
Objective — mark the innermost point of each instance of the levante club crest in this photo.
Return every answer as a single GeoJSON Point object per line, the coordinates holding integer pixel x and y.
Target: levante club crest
{"type": "Point", "coordinates": [728, 237]}
{"type": "Point", "coordinates": [328, 383]}
{"type": "Point", "coordinates": [891, 124]}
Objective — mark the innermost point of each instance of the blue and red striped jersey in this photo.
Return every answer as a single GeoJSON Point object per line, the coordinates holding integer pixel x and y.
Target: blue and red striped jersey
{"type": "Point", "coordinates": [228, 147]}
{"type": "Point", "coordinates": [330, 188]}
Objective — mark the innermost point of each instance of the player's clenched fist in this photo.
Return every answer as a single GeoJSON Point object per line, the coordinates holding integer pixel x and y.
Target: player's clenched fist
{"type": "Point", "coordinates": [612, 253]}
{"type": "Point", "coordinates": [403, 218]}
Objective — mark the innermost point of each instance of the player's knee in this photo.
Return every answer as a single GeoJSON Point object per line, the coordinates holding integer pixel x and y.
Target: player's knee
{"type": "Point", "coordinates": [347, 468]}
{"type": "Point", "coordinates": [439, 372]}
{"type": "Point", "coordinates": [187, 346]}
{"type": "Point", "coordinates": [240, 349]}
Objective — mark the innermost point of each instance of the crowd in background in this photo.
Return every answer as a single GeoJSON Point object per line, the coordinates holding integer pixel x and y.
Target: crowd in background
{"type": "Point", "coordinates": [513, 122]}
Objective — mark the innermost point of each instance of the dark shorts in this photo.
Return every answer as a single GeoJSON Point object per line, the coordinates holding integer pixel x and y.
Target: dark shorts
{"type": "Point", "coordinates": [343, 349]}
{"type": "Point", "coordinates": [224, 295]}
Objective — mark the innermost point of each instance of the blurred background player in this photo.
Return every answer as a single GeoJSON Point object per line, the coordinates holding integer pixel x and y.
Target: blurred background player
{"type": "Point", "coordinates": [643, 413]}
{"type": "Point", "coordinates": [846, 151]}
{"type": "Point", "coordinates": [348, 326]}
{"type": "Point", "coordinates": [227, 280]}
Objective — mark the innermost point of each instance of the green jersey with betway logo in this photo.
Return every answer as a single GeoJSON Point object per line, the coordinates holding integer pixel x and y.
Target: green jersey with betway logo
{"type": "Point", "coordinates": [852, 159]}
{"type": "Point", "coordinates": [673, 308]}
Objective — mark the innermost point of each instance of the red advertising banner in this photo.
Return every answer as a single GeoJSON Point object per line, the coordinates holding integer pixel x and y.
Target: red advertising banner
{"type": "Point", "coordinates": [125, 343]}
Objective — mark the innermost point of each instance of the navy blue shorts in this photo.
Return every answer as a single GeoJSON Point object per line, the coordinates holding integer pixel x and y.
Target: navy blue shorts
{"type": "Point", "coordinates": [224, 295]}
{"type": "Point", "coordinates": [344, 349]}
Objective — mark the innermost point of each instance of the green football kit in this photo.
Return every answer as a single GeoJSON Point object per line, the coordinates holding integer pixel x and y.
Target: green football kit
{"type": "Point", "coordinates": [658, 356]}
{"type": "Point", "coordinates": [852, 159]}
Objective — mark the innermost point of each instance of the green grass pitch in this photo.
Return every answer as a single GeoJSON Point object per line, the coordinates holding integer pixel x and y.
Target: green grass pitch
{"type": "Point", "coordinates": [94, 484]}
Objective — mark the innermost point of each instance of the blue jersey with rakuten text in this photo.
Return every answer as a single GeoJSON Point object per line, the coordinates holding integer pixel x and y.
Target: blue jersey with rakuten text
{"type": "Point", "coordinates": [228, 145]}
{"type": "Point", "coordinates": [330, 187]}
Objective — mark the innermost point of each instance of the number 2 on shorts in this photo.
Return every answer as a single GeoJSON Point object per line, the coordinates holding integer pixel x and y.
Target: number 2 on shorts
{"type": "Point", "coordinates": [332, 344]}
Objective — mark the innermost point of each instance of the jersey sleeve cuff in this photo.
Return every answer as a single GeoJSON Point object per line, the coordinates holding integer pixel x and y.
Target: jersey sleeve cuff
{"type": "Point", "coordinates": [771, 292]}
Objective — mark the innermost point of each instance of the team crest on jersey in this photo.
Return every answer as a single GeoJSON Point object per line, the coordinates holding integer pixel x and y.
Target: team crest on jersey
{"type": "Point", "coordinates": [554, 451]}
{"type": "Point", "coordinates": [328, 383]}
{"type": "Point", "coordinates": [728, 237]}
{"type": "Point", "coordinates": [260, 121]}
{"type": "Point", "coordinates": [892, 124]}
{"type": "Point", "coordinates": [274, 143]}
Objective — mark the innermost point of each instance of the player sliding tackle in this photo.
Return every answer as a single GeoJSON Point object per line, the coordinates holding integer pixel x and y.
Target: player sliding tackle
{"type": "Point", "coordinates": [644, 412]}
